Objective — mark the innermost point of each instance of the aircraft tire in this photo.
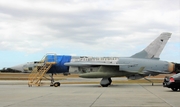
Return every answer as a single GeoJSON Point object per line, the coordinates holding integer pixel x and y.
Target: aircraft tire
{"type": "Point", "coordinates": [105, 82]}
{"type": "Point", "coordinates": [57, 84]}
{"type": "Point", "coordinates": [104, 85]}
{"type": "Point", "coordinates": [110, 81]}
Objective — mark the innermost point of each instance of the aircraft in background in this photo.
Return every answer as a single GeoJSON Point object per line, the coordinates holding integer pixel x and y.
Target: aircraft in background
{"type": "Point", "coordinates": [137, 66]}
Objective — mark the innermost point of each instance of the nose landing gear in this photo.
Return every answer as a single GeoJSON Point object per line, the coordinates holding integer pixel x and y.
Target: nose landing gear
{"type": "Point", "coordinates": [53, 83]}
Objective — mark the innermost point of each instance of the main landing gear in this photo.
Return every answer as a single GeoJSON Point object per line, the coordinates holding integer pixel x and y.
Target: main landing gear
{"type": "Point", "coordinates": [53, 83]}
{"type": "Point", "coordinates": [105, 82]}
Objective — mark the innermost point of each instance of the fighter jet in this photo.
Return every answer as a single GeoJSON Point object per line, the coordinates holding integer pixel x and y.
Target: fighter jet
{"type": "Point", "coordinates": [137, 66]}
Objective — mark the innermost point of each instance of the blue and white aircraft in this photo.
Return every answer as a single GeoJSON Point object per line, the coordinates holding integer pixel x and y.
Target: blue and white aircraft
{"type": "Point", "coordinates": [137, 66]}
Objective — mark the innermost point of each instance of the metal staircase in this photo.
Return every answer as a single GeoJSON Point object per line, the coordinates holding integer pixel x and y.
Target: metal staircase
{"type": "Point", "coordinates": [40, 70]}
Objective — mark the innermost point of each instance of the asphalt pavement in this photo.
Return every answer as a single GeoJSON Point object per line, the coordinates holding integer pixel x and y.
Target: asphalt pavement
{"type": "Point", "coordinates": [87, 95]}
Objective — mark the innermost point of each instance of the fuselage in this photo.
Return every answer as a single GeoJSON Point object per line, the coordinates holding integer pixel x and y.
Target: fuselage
{"type": "Point", "coordinates": [131, 66]}
{"type": "Point", "coordinates": [91, 71]}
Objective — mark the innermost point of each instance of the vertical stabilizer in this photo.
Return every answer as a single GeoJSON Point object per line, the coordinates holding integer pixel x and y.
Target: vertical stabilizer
{"type": "Point", "coordinates": [154, 49]}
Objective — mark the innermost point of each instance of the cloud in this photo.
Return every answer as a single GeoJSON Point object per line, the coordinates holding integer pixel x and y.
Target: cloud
{"type": "Point", "coordinates": [102, 27]}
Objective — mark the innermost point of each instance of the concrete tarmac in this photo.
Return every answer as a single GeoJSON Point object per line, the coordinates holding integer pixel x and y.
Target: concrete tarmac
{"type": "Point", "coordinates": [88, 95]}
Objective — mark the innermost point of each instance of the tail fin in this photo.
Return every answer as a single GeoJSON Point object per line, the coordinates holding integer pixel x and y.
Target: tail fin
{"type": "Point", "coordinates": [154, 49]}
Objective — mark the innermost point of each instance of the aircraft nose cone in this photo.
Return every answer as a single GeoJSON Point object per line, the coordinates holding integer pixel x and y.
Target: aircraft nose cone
{"type": "Point", "coordinates": [18, 68]}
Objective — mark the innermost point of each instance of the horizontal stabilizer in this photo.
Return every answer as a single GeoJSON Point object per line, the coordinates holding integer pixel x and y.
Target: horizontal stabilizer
{"type": "Point", "coordinates": [157, 71]}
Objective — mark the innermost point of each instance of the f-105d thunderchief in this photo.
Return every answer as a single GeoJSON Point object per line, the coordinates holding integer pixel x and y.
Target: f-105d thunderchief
{"type": "Point", "coordinates": [137, 66]}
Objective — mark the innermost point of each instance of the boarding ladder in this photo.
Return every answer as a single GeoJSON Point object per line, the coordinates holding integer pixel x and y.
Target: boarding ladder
{"type": "Point", "coordinates": [40, 69]}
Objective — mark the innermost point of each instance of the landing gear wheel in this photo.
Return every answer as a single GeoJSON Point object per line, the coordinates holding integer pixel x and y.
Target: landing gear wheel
{"type": "Point", "coordinates": [174, 89]}
{"type": "Point", "coordinates": [105, 82]}
{"type": "Point", "coordinates": [110, 81]}
{"type": "Point", "coordinates": [104, 85]}
{"type": "Point", "coordinates": [57, 84]}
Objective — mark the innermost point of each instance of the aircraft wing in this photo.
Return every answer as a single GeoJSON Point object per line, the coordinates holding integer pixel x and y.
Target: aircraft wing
{"type": "Point", "coordinates": [93, 64]}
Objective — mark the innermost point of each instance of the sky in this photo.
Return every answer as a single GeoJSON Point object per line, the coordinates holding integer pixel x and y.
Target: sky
{"type": "Point", "coordinates": [29, 29]}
